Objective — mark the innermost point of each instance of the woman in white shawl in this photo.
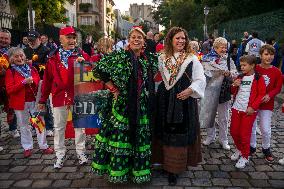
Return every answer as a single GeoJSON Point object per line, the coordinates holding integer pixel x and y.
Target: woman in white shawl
{"type": "Point", "coordinates": [217, 64]}
{"type": "Point", "coordinates": [177, 127]}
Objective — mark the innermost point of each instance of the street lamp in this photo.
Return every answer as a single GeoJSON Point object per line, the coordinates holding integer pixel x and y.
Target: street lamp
{"type": "Point", "coordinates": [31, 26]}
{"type": "Point", "coordinates": [206, 12]}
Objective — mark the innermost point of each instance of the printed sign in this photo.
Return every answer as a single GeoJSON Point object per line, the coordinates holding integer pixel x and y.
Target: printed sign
{"type": "Point", "coordinates": [89, 97]}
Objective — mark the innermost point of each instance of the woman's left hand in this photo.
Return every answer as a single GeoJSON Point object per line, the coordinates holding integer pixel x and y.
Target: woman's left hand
{"type": "Point", "coordinates": [184, 94]}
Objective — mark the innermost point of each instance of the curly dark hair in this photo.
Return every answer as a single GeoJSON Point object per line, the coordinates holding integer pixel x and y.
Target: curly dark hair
{"type": "Point", "coordinates": [169, 51]}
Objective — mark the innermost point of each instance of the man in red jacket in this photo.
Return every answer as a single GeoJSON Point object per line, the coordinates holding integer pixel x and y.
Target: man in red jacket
{"type": "Point", "coordinates": [59, 81]}
{"type": "Point", "coordinates": [5, 42]}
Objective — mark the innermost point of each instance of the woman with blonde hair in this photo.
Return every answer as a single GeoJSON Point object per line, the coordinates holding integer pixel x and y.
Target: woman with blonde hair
{"type": "Point", "coordinates": [104, 46]}
{"type": "Point", "coordinates": [123, 146]}
{"type": "Point", "coordinates": [177, 125]}
{"type": "Point", "coordinates": [194, 46]}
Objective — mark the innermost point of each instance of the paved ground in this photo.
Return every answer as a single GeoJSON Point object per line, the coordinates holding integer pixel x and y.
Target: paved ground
{"type": "Point", "coordinates": [216, 171]}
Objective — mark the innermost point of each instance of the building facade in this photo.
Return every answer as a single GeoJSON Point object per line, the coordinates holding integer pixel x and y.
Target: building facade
{"type": "Point", "coordinates": [108, 18]}
{"type": "Point", "coordinates": [143, 13]}
{"type": "Point", "coordinates": [122, 27]}
{"type": "Point", "coordinates": [89, 12]}
{"type": "Point", "coordinates": [96, 13]}
{"type": "Point", "coordinates": [6, 16]}
{"type": "Point", "coordinates": [71, 13]}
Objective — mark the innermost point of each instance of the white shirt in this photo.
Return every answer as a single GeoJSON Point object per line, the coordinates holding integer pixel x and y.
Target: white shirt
{"type": "Point", "coordinates": [211, 66]}
{"type": "Point", "coordinates": [242, 98]}
{"type": "Point", "coordinates": [120, 45]}
{"type": "Point", "coordinates": [198, 78]}
{"type": "Point", "coordinates": [253, 48]}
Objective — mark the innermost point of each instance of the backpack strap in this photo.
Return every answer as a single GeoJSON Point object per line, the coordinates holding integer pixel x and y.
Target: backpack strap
{"type": "Point", "coordinates": [257, 76]}
{"type": "Point", "coordinates": [229, 62]}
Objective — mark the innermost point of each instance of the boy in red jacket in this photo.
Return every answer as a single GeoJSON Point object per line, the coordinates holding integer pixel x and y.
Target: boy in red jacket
{"type": "Point", "coordinates": [59, 81]}
{"type": "Point", "coordinates": [21, 85]}
{"type": "Point", "coordinates": [273, 82]}
{"type": "Point", "coordinates": [248, 91]}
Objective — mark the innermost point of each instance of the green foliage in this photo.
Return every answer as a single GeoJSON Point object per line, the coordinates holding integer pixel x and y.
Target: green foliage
{"type": "Point", "coordinates": [126, 17]}
{"type": "Point", "coordinates": [47, 12]}
{"type": "Point", "coordinates": [220, 12]}
{"type": "Point", "coordinates": [108, 10]}
{"type": "Point", "coordinates": [21, 21]}
{"type": "Point", "coordinates": [145, 27]}
{"type": "Point", "coordinates": [189, 13]}
{"type": "Point", "coordinates": [95, 31]}
{"type": "Point", "coordinates": [268, 25]}
{"type": "Point", "coordinates": [113, 34]}
{"type": "Point", "coordinates": [183, 13]}
{"type": "Point", "coordinates": [71, 1]}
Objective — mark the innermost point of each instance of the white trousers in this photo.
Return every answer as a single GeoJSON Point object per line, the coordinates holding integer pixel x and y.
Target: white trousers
{"type": "Point", "coordinates": [23, 121]}
{"type": "Point", "coordinates": [223, 118]}
{"type": "Point", "coordinates": [264, 117]}
{"type": "Point", "coordinates": [60, 121]}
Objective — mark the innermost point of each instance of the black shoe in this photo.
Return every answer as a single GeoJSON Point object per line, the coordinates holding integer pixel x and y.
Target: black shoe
{"type": "Point", "coordinates": [268, 155]}
{"type": "Point", "coordinates": [252, 151]}
{"type": "Point", "coordinates": [172, 179]}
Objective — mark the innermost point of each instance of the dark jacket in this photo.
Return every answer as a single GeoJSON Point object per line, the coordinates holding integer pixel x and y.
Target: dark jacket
{"type": "Point", "coordinates": [42, 54]}
{"type": "Point", "coordinates": [150, 46]}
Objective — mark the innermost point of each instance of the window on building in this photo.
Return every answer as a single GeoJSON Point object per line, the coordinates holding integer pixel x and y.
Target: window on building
{"type": "Point", "coordinates": [97, 19]}
{"type": "Point", "coordinates": [86, 20]}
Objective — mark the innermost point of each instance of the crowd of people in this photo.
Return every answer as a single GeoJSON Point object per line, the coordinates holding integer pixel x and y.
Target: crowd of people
{"type": "Point", "coordinates": [164, 89]}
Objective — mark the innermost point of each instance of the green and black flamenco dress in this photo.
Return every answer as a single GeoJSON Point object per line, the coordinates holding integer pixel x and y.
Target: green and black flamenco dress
{"type": "Point", "coordinates": [123, 145]}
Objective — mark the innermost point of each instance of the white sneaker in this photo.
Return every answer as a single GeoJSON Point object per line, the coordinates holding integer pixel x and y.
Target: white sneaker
{"type": "Point", "coordinates": [59, 163]}
{"type": "Point", "coordinates": [49, 133]}
{"type": "Point", "coordinates": [241, 163]}
{"type": "Point", "coordinates": [83, 159]}
{"type": "Point", "coordinates": [1, 148]}
{"type": "Point", "coordinates": [225, 145]}
{"type": "Point", "coordinates": [236, 155]}
{"type": "Point", "coordinates": [208, 141]}
{"type": "Point", "coordinates": [15, 133]}
{"type": "Point", "coordinates": [281, 161]}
